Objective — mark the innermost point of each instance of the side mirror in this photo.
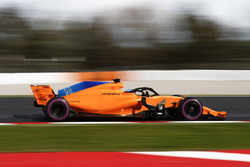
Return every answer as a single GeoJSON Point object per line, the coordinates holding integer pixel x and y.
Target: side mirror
{"type": "Point", "coordinates": [116, 80]}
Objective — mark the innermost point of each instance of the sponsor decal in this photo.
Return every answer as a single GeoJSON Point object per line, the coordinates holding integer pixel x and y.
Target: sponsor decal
{"type": "Point", "coordinates": [41, 99]}
{"type": "Point", "coordinates": [118, 94]}
{"type": "Point", "coordinates": [68, 91]}
{"type": "Point", "coordinates": [75, 101]}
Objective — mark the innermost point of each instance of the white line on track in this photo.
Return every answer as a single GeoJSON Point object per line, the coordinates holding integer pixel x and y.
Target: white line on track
{"type": "Point", "coordinates": [145, 122]}
{"type": "Point", "coordinates": [201, 155]}
{"type": "Point", "coordinates": [6, 124]}
{"type": "Point", "coordinates": [87, 123]}
{"type": "Point", "coordinates": [207, 121]}
{"type": "Point", "coordinates": [132, 122]}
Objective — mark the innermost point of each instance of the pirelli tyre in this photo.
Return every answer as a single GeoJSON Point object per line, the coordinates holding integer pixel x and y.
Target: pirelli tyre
{"type": "Point", "coordinates": [190, 109]}
{"type": "Point", "coordinates": [57, 109]}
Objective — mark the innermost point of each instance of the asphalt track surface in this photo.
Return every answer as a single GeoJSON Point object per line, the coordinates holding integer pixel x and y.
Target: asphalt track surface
{"type": "Point", "coordinates": [21, 109]}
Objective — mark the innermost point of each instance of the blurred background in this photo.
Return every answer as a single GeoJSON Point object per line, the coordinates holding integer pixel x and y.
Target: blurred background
{"type": "Point", "coordinates": [79, 35]}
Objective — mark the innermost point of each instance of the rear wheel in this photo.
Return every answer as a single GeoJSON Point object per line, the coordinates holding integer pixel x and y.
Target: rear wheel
{"type": "Point", "coordinates": [190, 109]}
{"type": "Point", "coordinates": [57, 109]}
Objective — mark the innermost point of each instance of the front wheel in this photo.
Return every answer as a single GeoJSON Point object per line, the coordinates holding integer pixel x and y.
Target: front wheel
{"type": "Point", "coordinates": [190, 109]}
{"type": "Point", "coordinates": [57, 109]}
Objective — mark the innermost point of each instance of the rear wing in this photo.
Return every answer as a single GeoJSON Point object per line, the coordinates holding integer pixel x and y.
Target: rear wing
{"type": "Point", "coordinates": [42, 93]}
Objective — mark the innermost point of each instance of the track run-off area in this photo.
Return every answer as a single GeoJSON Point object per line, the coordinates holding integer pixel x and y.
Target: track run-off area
{"type": "Point", "coordinates": [133, 159]}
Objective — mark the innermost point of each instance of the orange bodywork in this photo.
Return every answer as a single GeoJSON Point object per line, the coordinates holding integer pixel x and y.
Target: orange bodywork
{"type": "Point", "coordinates": [42, 93]}
{"type": "Point", "coordinates": [109, 99]}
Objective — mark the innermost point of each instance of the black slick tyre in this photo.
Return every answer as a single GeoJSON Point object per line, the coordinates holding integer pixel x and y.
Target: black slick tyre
{"type": "Point", "coordinates": [190, 109]}
{"type": "Point", "coordinates": [57, 109]}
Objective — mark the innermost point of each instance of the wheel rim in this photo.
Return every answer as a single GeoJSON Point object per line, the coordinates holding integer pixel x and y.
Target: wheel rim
{"type": "Point", "coordinates": [192, 109]}
{"type": "Point", "coordinates": [58, 110]}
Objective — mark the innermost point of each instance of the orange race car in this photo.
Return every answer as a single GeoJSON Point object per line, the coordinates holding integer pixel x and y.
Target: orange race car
{"type": "Point", "coordinates": [90, 98]}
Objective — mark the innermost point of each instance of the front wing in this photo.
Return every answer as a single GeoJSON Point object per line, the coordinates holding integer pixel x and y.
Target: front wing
{"type": "Point", "coordinates": [210, 113]}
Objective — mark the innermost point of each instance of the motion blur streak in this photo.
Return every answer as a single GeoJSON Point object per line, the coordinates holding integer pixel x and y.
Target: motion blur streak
{"type": "Point", "coordinates": [121, 39]}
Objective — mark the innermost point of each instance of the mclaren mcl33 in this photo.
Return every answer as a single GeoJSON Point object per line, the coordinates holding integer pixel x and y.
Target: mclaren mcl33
{"type": "Point", "coordinates": [106, 99]}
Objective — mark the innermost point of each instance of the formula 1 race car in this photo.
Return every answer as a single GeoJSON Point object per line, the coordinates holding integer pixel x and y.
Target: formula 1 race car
{"type": "Point", "coordinates": [106, 99]}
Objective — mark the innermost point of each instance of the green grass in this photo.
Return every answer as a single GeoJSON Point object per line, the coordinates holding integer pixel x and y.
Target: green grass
{"type": "Point", "coordinates": [129, 137]}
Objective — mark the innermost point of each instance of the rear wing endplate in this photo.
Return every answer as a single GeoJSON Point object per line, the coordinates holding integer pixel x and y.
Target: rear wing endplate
{"type": "Point", "coordinates": [42, 93]}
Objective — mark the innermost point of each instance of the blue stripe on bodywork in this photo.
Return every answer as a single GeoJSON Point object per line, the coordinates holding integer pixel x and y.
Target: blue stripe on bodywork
{"type": "Point", "coordinates": [78, 87]}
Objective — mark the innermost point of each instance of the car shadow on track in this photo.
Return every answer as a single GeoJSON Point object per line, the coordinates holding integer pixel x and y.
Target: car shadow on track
{"type": "Point", "coordinates": [43, 118]}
